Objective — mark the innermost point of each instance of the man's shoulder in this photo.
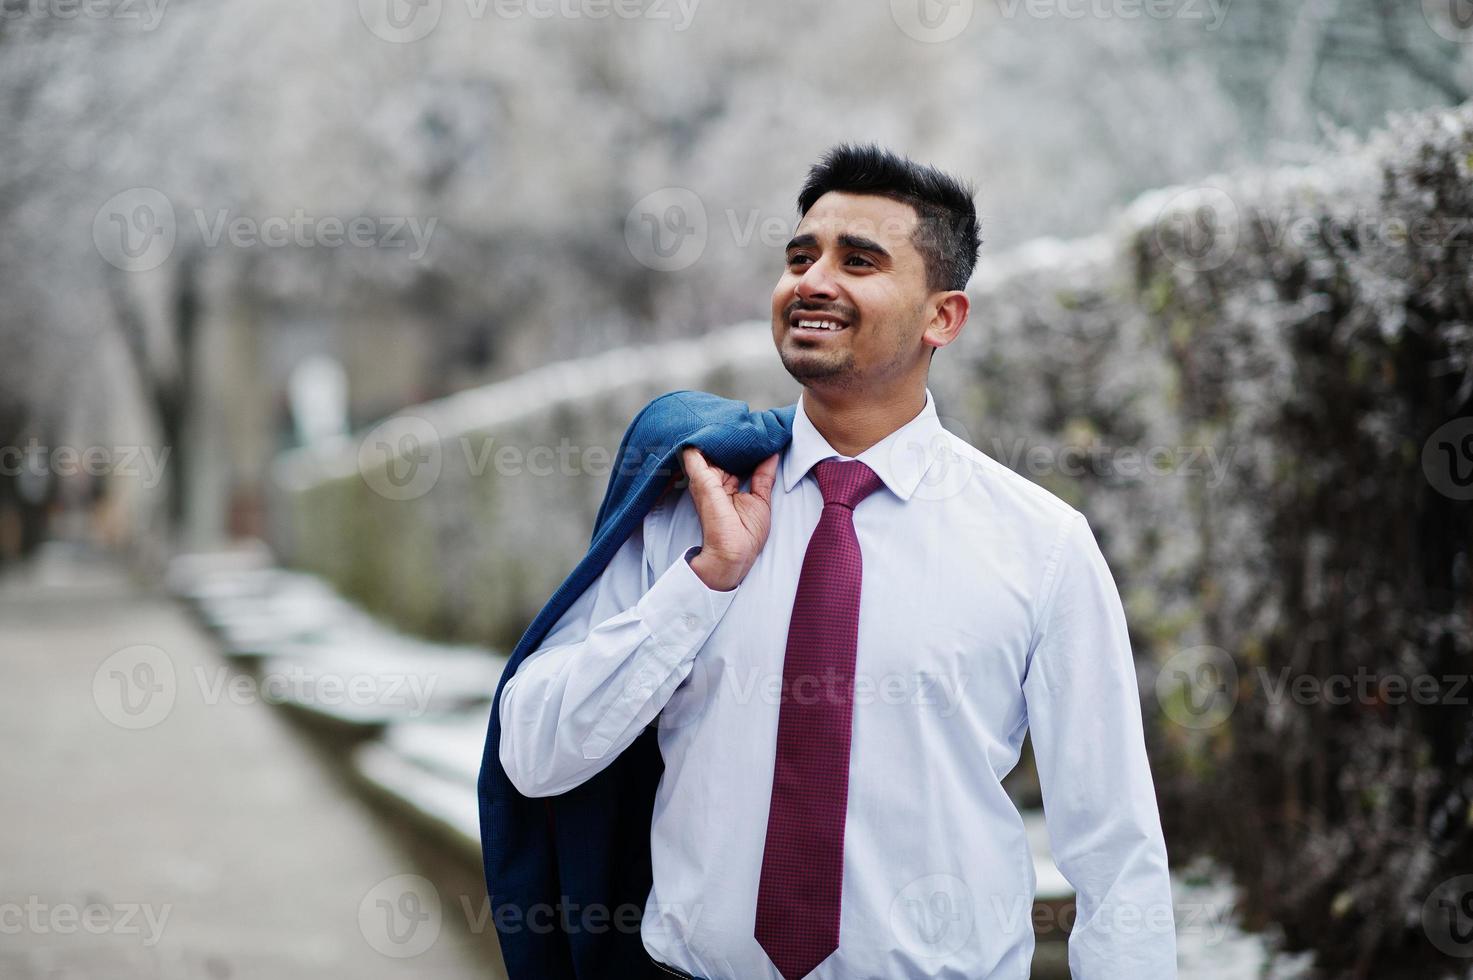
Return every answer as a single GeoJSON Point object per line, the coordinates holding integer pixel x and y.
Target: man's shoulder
{"type": "Point", "coordinates": [691, 415]}
{"type": "Point", "coordinates": [1004, 493]}
{"type": "Point", "coordinates": [676, 414]}
{"type": "Point", "coordinates": [691, 408]}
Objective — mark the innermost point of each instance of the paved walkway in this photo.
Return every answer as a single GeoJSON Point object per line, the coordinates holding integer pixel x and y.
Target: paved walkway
{"type": "Point", "coordinates": [158, 821]}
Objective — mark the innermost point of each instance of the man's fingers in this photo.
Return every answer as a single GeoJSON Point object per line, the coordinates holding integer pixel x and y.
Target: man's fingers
{"type": "Point", "coordinates": [764, 476]}
{"type": "Point", "coordinates": [705, 479]}
{"type": "Point", "coordinates": [695, 463]}
{"type": "Point", "coordinates": [707, 475]}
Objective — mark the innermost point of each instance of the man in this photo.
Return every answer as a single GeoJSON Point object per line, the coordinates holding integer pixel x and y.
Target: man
{"type": "Point", "coordinates": [843, 657]}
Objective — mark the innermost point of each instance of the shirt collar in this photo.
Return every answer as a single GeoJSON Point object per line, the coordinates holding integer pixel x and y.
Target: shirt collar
{"type": "Point", "coordinates": [900, 459]}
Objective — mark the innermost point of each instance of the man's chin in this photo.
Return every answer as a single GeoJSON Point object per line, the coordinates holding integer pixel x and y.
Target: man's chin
{"type": "Point", "coordinates": [811, 367]}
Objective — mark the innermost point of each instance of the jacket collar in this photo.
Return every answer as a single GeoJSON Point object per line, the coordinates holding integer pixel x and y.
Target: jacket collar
{"type": "Point", "coordinates": [901, 459]}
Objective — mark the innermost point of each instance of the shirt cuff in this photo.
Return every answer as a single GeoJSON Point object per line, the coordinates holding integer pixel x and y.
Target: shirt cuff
{"type": "Point", "coordinates": [680, 609]}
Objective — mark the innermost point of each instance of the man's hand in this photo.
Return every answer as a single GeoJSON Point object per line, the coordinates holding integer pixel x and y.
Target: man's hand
{"type": "Point", "coordinates": [734, 525]}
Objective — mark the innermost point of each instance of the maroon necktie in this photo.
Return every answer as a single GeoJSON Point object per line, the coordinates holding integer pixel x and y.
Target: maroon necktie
{"type": "Point", "coordinates": [803, 862]}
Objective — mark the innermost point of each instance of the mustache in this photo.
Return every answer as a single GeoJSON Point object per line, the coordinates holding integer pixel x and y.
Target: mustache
{"type": "Point", "coordinates": [843, 312]}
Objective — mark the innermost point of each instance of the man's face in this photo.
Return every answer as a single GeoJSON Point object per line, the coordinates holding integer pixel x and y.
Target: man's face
{"type": "Point", "coordinates": [851, 266]}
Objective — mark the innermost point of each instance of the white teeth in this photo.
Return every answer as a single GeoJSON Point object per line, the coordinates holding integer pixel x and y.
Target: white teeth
{"type": "Point", "coordinates": [820, 325]}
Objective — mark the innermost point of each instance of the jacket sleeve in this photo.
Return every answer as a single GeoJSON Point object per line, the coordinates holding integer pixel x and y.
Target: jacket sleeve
{"type": "Point", "coordinates": [607, 667]}
{"type": "Point", "coordinates": [1099, 801]}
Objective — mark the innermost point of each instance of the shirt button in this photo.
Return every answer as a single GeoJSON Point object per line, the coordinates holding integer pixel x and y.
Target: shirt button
{"type": "Point", "coordinates": [688, 621]}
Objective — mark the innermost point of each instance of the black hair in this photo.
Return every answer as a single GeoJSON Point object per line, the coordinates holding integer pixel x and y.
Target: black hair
{"type": "Point", "coordinates": [947, 236]}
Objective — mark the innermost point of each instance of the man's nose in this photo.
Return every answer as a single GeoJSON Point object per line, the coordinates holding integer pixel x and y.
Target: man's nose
{"type": "Point", "coordinates": [817, 282]}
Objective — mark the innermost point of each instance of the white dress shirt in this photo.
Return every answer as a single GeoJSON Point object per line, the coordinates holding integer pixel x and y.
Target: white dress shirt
{"type": "Point", "coordinates": [986, 609]}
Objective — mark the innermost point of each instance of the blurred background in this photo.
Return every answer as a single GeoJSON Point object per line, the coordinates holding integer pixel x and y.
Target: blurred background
{"type": "Point", "coordinates": [320, 325]}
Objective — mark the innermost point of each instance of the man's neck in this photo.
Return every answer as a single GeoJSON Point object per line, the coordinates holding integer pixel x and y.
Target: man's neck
{"type": "Point", "coordinates": [852, 425]}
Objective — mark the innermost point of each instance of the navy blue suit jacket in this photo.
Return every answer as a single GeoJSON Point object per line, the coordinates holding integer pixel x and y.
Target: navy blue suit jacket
{"type": "Point", "coordinates": [568, 875]}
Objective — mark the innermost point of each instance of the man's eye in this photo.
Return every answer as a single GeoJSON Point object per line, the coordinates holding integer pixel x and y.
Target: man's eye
{"type": "Point", "coordinates": [795, 259]}
{"type": "Point", "coordinates": [859, 258]}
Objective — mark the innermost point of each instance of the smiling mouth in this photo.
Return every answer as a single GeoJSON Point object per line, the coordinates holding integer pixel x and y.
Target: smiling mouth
{"type": "Point", "coordinates": [800, 324]}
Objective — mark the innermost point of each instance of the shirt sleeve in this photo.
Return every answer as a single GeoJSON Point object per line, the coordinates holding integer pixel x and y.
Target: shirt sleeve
{"type": "Point", "coordinates": [1084, 711]}
{"type": "Point", "coordinates": [606, 669]}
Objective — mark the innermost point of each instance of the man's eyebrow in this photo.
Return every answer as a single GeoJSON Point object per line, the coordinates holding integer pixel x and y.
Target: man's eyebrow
{"type": "Point", "coordinates": [848, 241]}
{"type": "Point", "coordinates": [863, 244]}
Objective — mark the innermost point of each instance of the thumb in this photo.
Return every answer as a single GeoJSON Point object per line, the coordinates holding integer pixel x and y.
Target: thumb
{"type": "Point", "coordinates": [763, 478]}
{"type": "Point", "coordinates": [702, 476]}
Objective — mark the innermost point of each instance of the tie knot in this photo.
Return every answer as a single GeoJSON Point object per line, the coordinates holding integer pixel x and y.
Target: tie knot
{"type": "Point", "coordinates": [845, 481]}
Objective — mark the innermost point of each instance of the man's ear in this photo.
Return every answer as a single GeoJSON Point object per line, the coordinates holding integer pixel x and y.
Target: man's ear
{"type": "Point", "coordinates": [950, 315]}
